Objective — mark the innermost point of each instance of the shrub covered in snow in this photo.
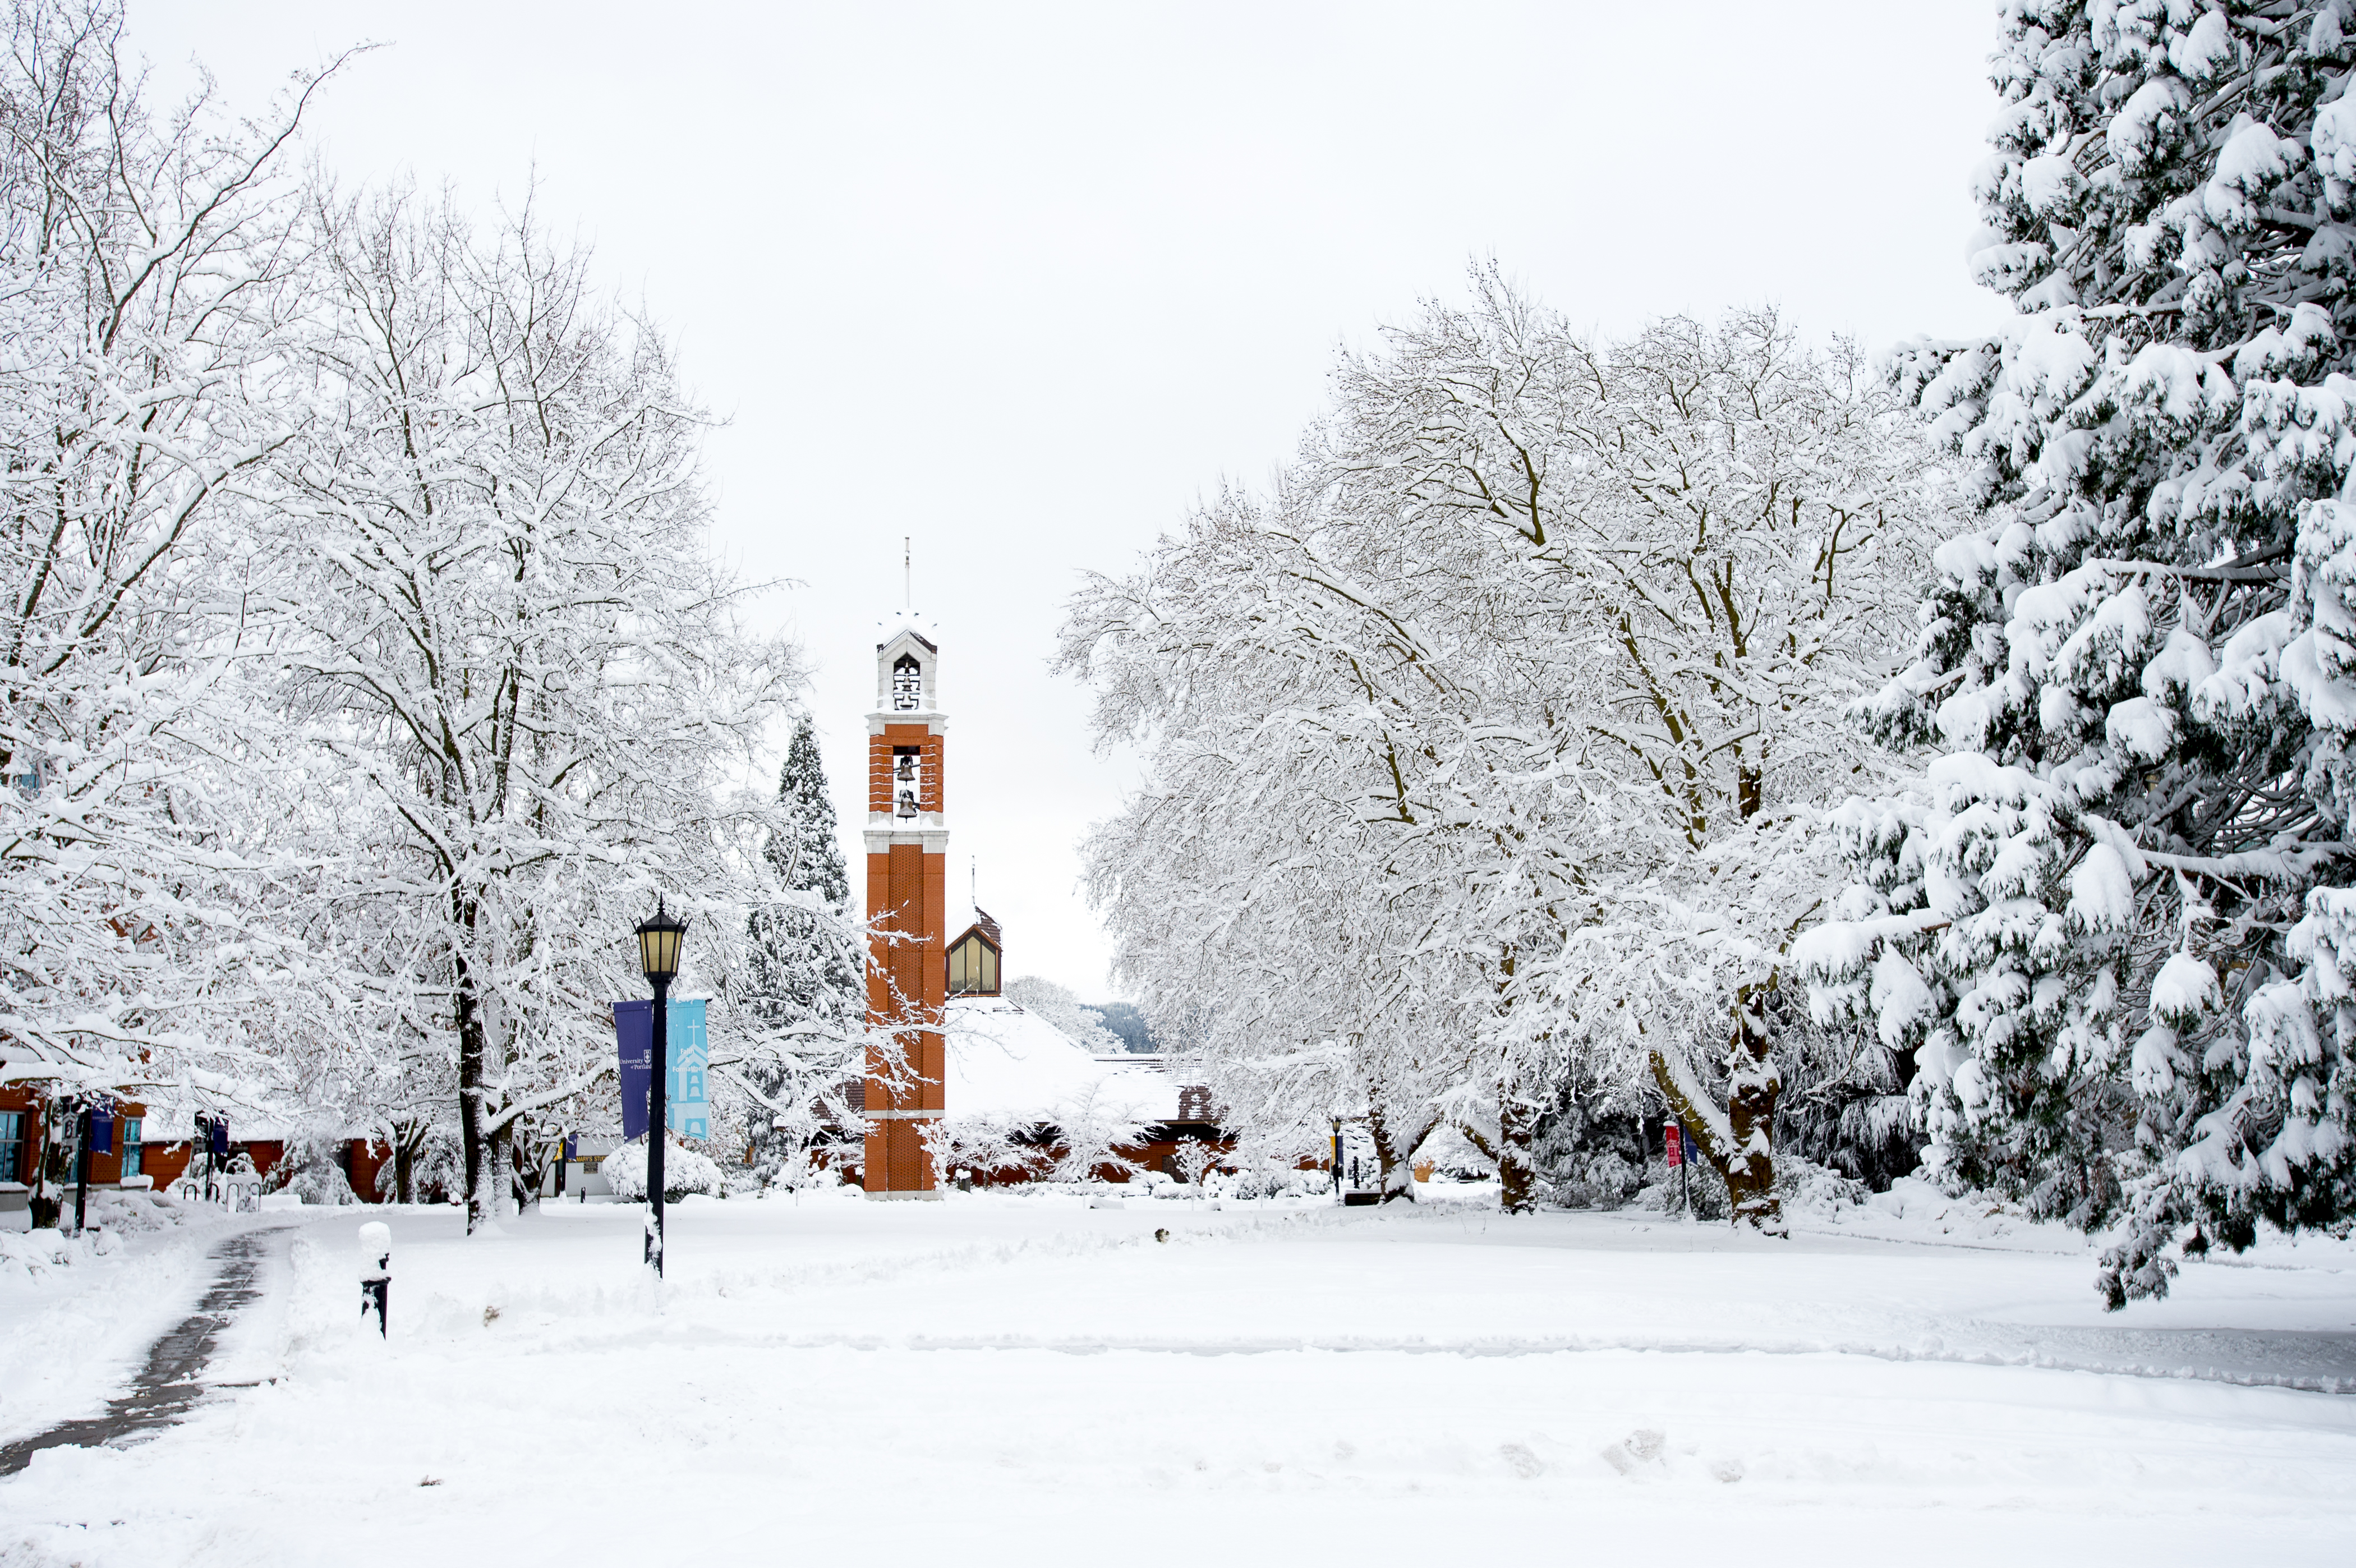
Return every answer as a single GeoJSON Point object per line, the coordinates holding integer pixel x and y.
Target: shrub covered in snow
{"type": "Point", "coordinates": [1813, 1190]}
{"type": "Point", "coordinates": [798, 1170]}
{"type": "Point", "coordinates": [1589, 1154]}
{"type": "Point", "coordinates": [1595, 1179]}
{"type": "Point", "coordinates": [310, 1172]}
{"type": "Point", "coordinates": [1273, 1182]}
{"type": "Point", "coordinates": [110, 1216]}
{"type": "Point", "coordinates": [684, 1171]}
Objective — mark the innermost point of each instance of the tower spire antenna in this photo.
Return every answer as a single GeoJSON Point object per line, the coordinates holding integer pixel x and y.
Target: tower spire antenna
{"type": "Point", "coordinates": [907, 571]}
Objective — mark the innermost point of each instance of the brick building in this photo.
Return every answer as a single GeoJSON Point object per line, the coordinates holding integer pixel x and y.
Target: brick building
{"type": "Point", "coordinates": [143, 1151]}
{"type": "Point", "coordinates": [966, 1048]}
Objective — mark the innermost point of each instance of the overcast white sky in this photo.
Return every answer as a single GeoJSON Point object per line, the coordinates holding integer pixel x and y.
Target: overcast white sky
{"type": "Point", "coordinates": [1022, 281]}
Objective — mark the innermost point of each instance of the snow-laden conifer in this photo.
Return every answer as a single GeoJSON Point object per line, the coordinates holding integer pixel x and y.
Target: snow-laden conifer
{"type": "Point", "coordinates": [804, 981]}
{"type": "Point", "coordinates": [2110, 917]}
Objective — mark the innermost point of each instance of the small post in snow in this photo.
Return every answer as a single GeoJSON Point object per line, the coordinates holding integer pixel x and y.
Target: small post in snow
{"type": "Point", "coordinates": [82, 1163]}
{"type": "Point", "coordinates": [1672, 1144]}
{"type": "Point", "coordinates": [1337, 1159]}
{"type": "Point", "coordinates": [376, 1278]}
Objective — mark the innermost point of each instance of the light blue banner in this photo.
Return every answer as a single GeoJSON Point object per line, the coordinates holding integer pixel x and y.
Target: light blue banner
{"type": "Point", "coordinates": [688, 1103]}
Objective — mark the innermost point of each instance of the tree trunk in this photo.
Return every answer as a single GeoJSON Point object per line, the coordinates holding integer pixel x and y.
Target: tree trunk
{"type": "Point", "coordinates": [406, 1139]}
{"type": "Point", "coordinates": [1753, 1086]}
{"type": "Point", "coordinates": [498, 1172]}
{"type": "Point", "coordinates": [471, 1050]}
{"type": "Point", "coordinates": [1744, 1154]}
{"type": "Point", "coordinates": [1516, 1174]}
{"type": "Point", "coordinates": [1395, 1155]}
{"type": "Point", "coordinates": [530, 1174]}
{"type": "Point", "coordinates": [47, 1206]}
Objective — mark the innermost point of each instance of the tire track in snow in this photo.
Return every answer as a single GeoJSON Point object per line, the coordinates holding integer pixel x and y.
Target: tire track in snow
{"type": "Point", "coordinates": [2337, 1352]}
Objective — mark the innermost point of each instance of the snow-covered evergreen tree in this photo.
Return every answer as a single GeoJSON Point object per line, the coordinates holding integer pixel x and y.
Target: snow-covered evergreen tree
{"type": "Point", "coordinates": [2114, 918]}
{"type": "Point", "coordinates": [805, 980]}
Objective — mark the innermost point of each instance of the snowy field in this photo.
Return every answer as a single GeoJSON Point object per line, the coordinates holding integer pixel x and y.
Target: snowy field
{"type": "Point", "coordinates": [1007, 1379]}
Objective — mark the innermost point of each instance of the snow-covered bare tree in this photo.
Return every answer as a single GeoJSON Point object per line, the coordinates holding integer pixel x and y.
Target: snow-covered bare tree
{"type": "Point", "coordinates": [152, 268]}
{"type": "Point", "coordinates": [2115, 914]}
{"type": "Point", "coordinates": [519, 649]}
{"type": "Point", "coordinates": [1489, 739]}
{"type": "Point", "coordinates": [1060, 1008]}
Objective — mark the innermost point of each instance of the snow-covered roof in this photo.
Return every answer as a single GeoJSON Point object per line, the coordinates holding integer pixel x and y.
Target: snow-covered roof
{"type": "Point", "coordinates": [1004, 1060]}
{"type": "Point", "coordinates": [915, 622]}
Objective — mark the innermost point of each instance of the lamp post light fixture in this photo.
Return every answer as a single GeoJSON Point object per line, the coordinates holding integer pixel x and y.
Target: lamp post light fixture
{"type": "Point", "coordinates": [659, 940]}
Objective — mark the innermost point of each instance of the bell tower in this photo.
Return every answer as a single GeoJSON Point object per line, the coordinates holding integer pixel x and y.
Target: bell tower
{"type": "Point", "coordinates": [907, 894]}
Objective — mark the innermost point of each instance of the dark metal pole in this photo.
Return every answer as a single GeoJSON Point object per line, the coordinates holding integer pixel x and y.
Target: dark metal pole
{"type": "Point", "coordinates": [82, 1166]}
{"type": "Point", "coordinates": [1337, 1158]}
{"type": "Point", "coordinates": [655, 1088]}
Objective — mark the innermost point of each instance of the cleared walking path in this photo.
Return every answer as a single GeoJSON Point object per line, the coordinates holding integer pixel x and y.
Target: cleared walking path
{"type": "Point", "coordinates": [167, 1386]}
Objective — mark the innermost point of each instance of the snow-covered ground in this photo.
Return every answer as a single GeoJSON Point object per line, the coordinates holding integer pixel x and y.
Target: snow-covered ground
{"type": "Point", "coordinates": [1025, 1379]}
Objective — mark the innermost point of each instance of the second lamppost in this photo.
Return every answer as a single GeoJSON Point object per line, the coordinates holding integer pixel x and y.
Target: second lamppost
{"type": "Point", "coordinates": [659, 940]}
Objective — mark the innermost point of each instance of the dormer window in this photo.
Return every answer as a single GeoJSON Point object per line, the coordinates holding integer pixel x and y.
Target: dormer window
{"type": "Point", "coordinates": [907, 683]}
{"type": "Point", "coordinates": [973, 966]}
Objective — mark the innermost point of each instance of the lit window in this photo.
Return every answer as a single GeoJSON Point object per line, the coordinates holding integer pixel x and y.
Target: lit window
{"type": "Point", "coordinates": [973, 967]}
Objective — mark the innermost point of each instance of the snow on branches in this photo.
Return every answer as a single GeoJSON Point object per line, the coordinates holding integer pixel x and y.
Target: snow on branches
{"type": "Point", "coordinates": [519, 653]}
{"type": "Point", "coordinates": [1485, 744]}
{"type": "Point", "coordinates": [368, 670]}
{"type": "Point", "coordinates": [2108, 914]}
{"type": "Point", "coordinates": [151, 275]}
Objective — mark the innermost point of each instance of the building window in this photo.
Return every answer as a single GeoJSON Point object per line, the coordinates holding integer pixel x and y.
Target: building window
{"type": "Point", "coordinates": [131, 1145]}
{"type": "Point", "coordinates": [12, 1145]}
{"type": "Point", "coordinates": [907, 683]}
{"type": "Point", "coordinates": [973, 967]}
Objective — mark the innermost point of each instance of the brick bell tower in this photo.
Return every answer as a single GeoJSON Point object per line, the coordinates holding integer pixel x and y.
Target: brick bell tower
{"type": "Point", "coordinates": [907, 892]}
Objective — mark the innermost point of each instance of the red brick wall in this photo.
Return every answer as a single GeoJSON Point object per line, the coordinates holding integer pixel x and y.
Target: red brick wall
{"type": "Point", "coordinates": [930, 783]}
{"type": "Point", "coordinates": [26, 1099]}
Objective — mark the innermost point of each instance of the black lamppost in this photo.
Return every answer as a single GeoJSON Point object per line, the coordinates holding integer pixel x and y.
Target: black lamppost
{"type": "Point", "coordinates": [659, 941]}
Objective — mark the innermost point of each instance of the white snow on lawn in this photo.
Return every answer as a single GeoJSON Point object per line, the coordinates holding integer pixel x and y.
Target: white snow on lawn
{"type": "Point", "coordinates": [999, 1379]}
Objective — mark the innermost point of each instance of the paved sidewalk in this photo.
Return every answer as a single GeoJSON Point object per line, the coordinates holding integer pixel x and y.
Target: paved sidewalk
{"type": "Point", "coordinates": [169, 1385]}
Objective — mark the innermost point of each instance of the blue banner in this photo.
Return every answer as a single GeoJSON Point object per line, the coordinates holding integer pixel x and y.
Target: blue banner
{"type": "Point", "coordinates": [102, 1130]}
{"type": "Point", "coordinates": [686, 1107]}
{"type": "Point", "coordinates": [634, 1037]}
